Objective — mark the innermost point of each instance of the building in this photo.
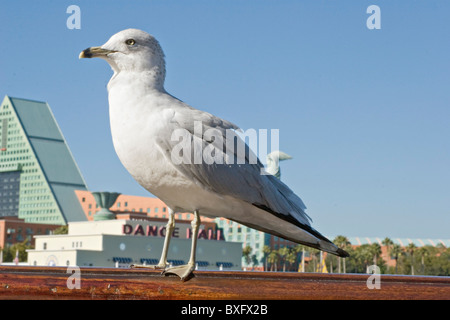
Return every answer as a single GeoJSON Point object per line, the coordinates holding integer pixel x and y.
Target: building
{"type": "Point", "coordinates": [14, 230]}
{"type": "Point", "coordinates": [151, 206]}
{"type": "Point", "coordinates": [230, 231]}
{"type": "Point", "coordinates": [235, 232]}
{"type": "Point", "coordinates": [124, 241]}
{"type": "Point", "coordinates": [38, 174]}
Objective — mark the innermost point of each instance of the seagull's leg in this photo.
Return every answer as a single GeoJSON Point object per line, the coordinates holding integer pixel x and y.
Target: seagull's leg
{"type": "Point", "coordinates": [162, 264]}
{"type": "Point", "coordinates": [185, 270]}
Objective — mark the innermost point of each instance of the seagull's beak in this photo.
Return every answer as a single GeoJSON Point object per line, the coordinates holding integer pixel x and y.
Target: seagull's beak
{"type": "Point", "coordinates": [94, 52]}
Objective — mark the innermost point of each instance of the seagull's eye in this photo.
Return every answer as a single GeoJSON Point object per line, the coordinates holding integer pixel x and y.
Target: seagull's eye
{"type": "Point", "coordinates": [130, 42]}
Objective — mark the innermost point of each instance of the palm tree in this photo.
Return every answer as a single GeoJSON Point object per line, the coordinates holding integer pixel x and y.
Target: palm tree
{"type": "Point", "coordinates": [273, 259]}
{"type": "Point", "coordinates": [314, 253]}
{"type": "Point", "coordinates": [423, 252]}
{"type": "Point", "coordinates": [387, 242]}
{"type": "Point", "coordinates": [375, 249]}
{"type": "Point", "coordinates": [363, 255]}
{"type": "Point", "coordinates": [410, 249]}
{"type": "Point", "coordinates": [301, 248]}
{"type": "Point", "coordinates": [246, 254]}
{"type": "Point", "coordinates": [291, 257]}
{"type": "Point", "coordinates": [266, 251]}
{"type": "Point", "coordinates": [342, 242]}
{"type": "Point", "coordinates": [441, 248]}
{"type": "Point", "coordinates": [282, 253]}
{"type": "Point", "coordinates": [395, 251]}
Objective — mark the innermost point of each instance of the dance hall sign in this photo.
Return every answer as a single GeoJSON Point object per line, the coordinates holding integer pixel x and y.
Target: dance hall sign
{"type": "Point", "coordinates": [160, 231]}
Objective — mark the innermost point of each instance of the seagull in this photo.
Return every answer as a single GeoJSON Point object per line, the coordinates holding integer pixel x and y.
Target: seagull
{"type": "Point", "coordinates": [273, 162]}
{"type": "Point", "coordinates": [148, 125]}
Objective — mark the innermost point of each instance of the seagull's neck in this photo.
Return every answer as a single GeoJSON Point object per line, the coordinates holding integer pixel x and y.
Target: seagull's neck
{"type": "Point", "coordinates": [148, 80]}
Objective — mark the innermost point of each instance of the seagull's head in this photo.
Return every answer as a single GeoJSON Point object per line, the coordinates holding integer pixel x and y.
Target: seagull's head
{"type": "Point", "coordinates": [130, 50]}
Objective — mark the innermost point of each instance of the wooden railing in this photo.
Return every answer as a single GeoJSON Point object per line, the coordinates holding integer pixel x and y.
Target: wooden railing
{"type": "Point", "coordinates": [18, 282]}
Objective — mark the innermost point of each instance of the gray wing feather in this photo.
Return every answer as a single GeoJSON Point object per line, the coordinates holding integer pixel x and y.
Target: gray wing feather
{"type": "Point", "coordinates": [229, 172]}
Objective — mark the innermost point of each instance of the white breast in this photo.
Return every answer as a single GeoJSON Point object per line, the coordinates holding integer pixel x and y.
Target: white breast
{"type": "Point", "coordinates": [135, 126]}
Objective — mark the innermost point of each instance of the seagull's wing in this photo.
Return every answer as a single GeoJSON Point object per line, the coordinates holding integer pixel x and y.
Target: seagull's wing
{"type": "Point", "coordinates": [228, 172]}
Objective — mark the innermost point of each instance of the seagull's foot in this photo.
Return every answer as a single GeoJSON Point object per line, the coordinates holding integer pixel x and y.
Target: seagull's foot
{"type": "Point", "coordinates": [184, 271]}
{"type": "Point", "coordinates": [158, 266]}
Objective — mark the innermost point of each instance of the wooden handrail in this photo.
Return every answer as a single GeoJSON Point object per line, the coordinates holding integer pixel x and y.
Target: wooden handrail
{"type": "Point", "coordinates": [17, 282]}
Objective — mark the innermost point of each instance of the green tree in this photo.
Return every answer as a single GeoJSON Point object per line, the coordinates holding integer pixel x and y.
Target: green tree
{"type": "Point", "coordinates": [387, 242]}
{"type": "Point", "coordinates": [9, 253]}
{"type": "Point", "coordinates": [411, 249]}
{"type": "Point", "coordinates": [303, 250]}
{"type": "Point", "coordinates": [375, 249]}
{"type": "Point", "coordinates": [342, 242]}
{"type": "Point", "coordinates": [438, 261]}
{"type": "Point", "coordinates": [363, 255]}
{"type": "Point", "coordinates": [291, 257]}
{"type": "Point", "coordinates": [282, 253]}
{"type": "Point", "coordinates": [314, 258]}
{"type": "Point", "coordinates": [395, 251]}
{"type": "Point", "coordinates": [246, 252]}
{"type": "Point", "coordinates": [266, 251]}
{"type": "Point", "coordinates": [423, 252]}
{"type": "Point", "coordinates": [273, 259]}
{"type": "Point", "coordinates": [61, 230]}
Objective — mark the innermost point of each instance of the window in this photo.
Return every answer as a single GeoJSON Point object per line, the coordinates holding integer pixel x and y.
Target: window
{"type": "Point", "coordinates": [9, 195]}
{"type": "Point", "coordinates": [156, 210]}
{"type": "Point", "coordinates": [44, 246]}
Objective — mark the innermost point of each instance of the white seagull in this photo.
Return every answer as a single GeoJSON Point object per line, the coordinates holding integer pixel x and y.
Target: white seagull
{"type": "Point", "coordinates": [144, 118]}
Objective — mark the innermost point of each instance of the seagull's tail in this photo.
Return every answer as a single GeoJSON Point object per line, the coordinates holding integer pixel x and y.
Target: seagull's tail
{"type": "Point", "coordinates": [323, 243]}
{"type": "Point", "coordinates": [328, 246]}
{"type": "Point", "coordinates": [304, 234]}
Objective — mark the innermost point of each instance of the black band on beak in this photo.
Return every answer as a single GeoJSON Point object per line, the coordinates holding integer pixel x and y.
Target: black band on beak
{"type": "Point", "coordinates": [86, 53]}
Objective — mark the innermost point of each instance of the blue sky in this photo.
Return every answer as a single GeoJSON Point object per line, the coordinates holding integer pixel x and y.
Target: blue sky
{"type": "Point", "coordinates": [364, 113]}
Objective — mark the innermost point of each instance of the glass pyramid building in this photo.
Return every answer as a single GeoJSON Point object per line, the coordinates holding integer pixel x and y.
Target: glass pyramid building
{"type": "Point", "coordinates": [38, 174]}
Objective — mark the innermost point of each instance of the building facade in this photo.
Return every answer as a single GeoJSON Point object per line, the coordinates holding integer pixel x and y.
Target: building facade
{"type": "Point", "coordinates": [14, 230]}
{"type": "Point", "coordinates": [38, 174]}
{"type": "Point", "coordinates": [230, 231]}
{"type": "Point", "coordinates": [121, 242]}
{"type": "Point", "coordinates": [150, 206]}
